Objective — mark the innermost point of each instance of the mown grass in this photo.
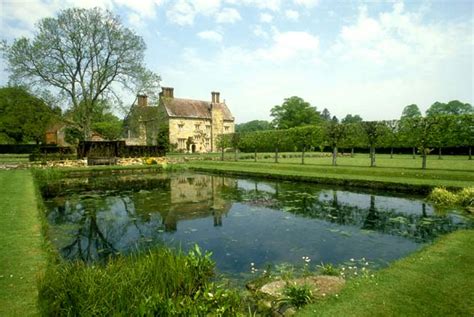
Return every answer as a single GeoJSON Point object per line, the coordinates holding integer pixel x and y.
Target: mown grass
{"type": "Point", "coordinates": [436, 281]}
{"type": "Point", "coordinates": [456, 175]}
{"type": "Point", "coordinates": [14, 158]}
{"type": "Point", "coordinates": [21, 253]}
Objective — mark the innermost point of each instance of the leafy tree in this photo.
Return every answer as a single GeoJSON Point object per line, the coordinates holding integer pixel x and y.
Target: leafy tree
{"type": "Point", "coordinates": [305, 138]}
{"type": "Point", "coordinates": [254, 125]}
{"type": "Point", "coordinates": [250, 141]}
{"type": "Point", "coordinates": [325, 115]}
{"type": "Point", "coordinates": [454, 107]}
{"type": "Point", "coordinates": [355, 136]}
{"type": "Point", "coordinates": [374, 132]}
{"type": "Point", "coordinates": [391, 137]}
{"type": "Point", "coordinates": [462, 127]}
{"type": "Point", "coordinates": [24, 117]}
{"type": "Point", "coordinates": [294, 112]}
{"type": "Point", "coordinates": [85, 54]}
{"type": "Point", "coordinates": [109, 126]}
{"type": "Point", "coordinates": [334, 134]}
{"type": "Point", "coordinates": [409, 112]}
{"type": "Point", "coordinates": [351, 119]}
{"type": "Point", "coordinates": [424, 132]}
{"type": "Point", "coordinates": [224, 141]}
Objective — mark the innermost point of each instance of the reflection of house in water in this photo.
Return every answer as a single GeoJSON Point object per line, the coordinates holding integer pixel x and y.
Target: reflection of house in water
{"type": "Point", "coordinates": [189, 197]}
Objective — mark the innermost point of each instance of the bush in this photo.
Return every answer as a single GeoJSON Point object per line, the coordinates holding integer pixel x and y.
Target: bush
{"type": "Point", "coordinates": [160, 282]}
{"type": "Point", "coordinates": [328, 269]}
{"type": "Point", "coordinates": [442, 196]}
{"type": "Point", "coordinates": [466, 197]}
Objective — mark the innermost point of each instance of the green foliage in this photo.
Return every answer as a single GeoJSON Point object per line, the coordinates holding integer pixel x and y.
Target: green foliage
{"type": "Point", "coordinates": [410, 111]}
{"type": "Point", "coordinates": [85, 54]}
{"type": "Point", "coordinates": [328, 269]}
{"type": "Point", "coordinates": [254, 125]}
{"type": "Point", "coordinates": [454, 107]}
{"type": "Point", "coordinates": [294, 112]}
{"type": "Point", "coordinates": [160, 282]}
{"type": "Point", "coordinates": [108, 125]}
{"type": "Point", "coordinates": [297, 295]}
{"type": "Point", "coordinates": [444, 197]}
{"type": "Point", "coordinates": [351, 119]}
{"type": "Point", "coordinates": [24, 117]}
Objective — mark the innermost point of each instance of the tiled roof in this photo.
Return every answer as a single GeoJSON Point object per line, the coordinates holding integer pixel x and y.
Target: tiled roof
{"type": "Point", "coordinates": [188, 108]}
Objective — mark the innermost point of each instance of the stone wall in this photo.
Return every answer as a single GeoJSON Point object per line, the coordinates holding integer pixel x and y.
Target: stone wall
{"type": "Point", "coordinates": [185, 132]}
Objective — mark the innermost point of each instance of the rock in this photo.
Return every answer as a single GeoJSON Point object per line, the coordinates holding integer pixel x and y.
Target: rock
{"type": "Point", "coordinates": [321, 285]}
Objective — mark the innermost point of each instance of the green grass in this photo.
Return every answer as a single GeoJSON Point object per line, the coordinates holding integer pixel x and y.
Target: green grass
{"type": "Point", "coordinates": [436, 281]}
{"type": "Point", "coordinates": [14, 158]}
{"type": "Point", "coordinates": [454, 172]}
{"type": "Point", "coordinates": [21, 252]}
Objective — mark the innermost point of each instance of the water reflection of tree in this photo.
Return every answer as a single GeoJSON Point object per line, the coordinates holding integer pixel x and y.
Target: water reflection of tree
{"type": "Point", "coordinates": [305, 201]}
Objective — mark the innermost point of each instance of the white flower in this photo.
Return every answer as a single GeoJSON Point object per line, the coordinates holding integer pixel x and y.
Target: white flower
{"type": "Point", "coordinates": [352, 260]}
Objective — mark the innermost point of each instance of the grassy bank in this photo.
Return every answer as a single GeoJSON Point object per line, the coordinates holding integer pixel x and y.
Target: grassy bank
{"type": "Point", "coordinates": [21, 253]}
{"type": "Point", "coordinates": [436, 281]}
{"type": "Point", "coordinates": [378, 177]}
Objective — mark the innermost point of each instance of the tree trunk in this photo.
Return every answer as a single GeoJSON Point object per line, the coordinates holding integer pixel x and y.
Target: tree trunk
{"type": "Point", "coordinates": [276, 155]}
{"type": "Point", "coordinates": [222, 154]}
{"type": "Point", "coordinates": [352, 152]}
{"type": "Point", "coordinates": [470, 153]}
{"type": "Point", "coordinates": [255, 155]}
{"type": "Point", "coordinates": [423, 161]}
{"type": "Point", "coordinates": [302, 155]}
{"type": "Point", "coordinates": [334, 156]}
{"type": "Point", "coordinates": [414, 153]}
{"type": "Point", "coordinates": [372, 156]}
{"type": "Point", "coordinates": [391, 152]}
{"type": "Point", "coordinates": [439, 154]}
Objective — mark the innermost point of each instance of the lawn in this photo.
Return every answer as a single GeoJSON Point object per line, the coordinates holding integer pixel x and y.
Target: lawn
{"type": "Point", "coordinates": [400, 171]}
{"type": "Point", "coordinates": [436, 281]}
{"type": "Point", "coordinates": [21, 252]}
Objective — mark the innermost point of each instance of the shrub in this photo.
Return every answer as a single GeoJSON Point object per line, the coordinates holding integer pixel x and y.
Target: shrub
{"type": "Point", "coordinates": [466, 197]}
{"type": "Point", "coordinates": [442, 196]}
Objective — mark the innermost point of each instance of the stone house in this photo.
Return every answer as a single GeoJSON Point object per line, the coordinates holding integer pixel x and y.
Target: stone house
{"type": "Point", "coordinates": [190, 125]}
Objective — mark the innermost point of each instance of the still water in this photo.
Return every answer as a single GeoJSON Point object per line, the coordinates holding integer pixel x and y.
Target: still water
{"type": "Point", "coordinates": [241, 221]}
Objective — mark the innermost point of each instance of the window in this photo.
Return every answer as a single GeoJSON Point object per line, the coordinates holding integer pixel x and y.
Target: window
{"type": "Point", "coordinates": [197, 126]}
{"type": "Point", "coordinates": [180, 127]}
{"type": "Point", "coordinates": [226, 129]}
{"type": "Point", "coordinates": [208, 142]}
{"type": "Point", "coordinates": [208, 128]}
{"type": "Point", "coordinates": [181, 143]}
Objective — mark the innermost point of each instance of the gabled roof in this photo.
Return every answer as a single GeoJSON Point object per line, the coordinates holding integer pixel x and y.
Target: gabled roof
{"type": "Point", "coordinates": [188, 108]}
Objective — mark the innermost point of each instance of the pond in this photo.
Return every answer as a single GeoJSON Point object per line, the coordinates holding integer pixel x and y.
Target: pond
{"type": "Point", "coordinates": [240, 220]}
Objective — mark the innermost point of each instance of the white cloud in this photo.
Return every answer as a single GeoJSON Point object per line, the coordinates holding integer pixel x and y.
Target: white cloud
{"type": "Point", "coordinates": [400, 37]}
{"type": "Point", "coordinates": [307, 3]}
{"type": "Point", "coordinates": [142, 8]}
{"type": "Point", "coordinates": [183, 12]}
{"type": "Point", "coordinates": [266, 18]}
{"type": "Point", "coordinates": [210, 35]}
{"type": "Point", "coordinates": [289, 45]}
{"type": "Point", "coordinates": [260, 32]}
{"type": "Point", "coordinates": [228, 15]}
{"type": "Point", "coordinates": [292, 15]}
{"type": "Point", "coordinates": [272, 5]}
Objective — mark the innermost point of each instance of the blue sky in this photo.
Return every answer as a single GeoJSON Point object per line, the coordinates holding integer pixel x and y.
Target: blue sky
{"type": "Point", "coordinates": [358, 57]}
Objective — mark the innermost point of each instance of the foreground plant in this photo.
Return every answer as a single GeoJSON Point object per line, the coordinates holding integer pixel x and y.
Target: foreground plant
{"type": "Point", "coordinates": [297, 295]}
{"type": "Point", "coordinates": [160, 282]}
{"type": "Point", "coordinates": [444, 197]}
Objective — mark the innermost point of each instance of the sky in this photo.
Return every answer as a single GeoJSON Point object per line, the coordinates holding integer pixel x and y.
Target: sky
{"type": "Point", "coordinates": [370, 58]}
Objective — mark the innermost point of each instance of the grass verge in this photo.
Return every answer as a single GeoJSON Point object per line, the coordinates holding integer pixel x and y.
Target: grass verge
{"type": "Point", "coordinates": [436, 281]}
{"type": "Point", "coordinates": [380, 177]}
{"type": "Point", "coordinates": [21, 253]}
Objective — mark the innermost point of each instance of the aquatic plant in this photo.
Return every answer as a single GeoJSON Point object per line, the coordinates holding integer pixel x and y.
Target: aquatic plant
{"type": "Point", "coordinates": [160, 282]}
{"type": "Point", "coordinates": [444, 197]}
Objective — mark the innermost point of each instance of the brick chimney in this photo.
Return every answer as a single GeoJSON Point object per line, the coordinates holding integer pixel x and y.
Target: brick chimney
{"type": "Point", "coordinates": [142, 100]}
{"type": "Point", "coordinates": [167, 92]}
{"type": "Point", "coordinates": [215, 97]}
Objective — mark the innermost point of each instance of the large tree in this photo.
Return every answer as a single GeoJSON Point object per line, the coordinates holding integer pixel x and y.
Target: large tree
{"type": "Point", "coordinates": [294, 112]}
{"type": "Point", "coordinates": [85, 54]}
{"type": "Point", "coordinates": [453, 107]}
{"type": "Point", "coordinates": [254, 125]}
{"type": "Point", "coordinates": [409, 112]}
{"type": "Point", "coordinates": [23, 116]}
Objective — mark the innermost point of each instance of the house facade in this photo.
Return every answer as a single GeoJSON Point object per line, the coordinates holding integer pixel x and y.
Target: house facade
{"type": "Point", "coordinates": [190, 125]}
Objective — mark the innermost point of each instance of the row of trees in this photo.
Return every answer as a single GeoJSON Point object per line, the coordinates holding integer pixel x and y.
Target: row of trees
{"type": "Point", "coordinates": [417, 132]}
